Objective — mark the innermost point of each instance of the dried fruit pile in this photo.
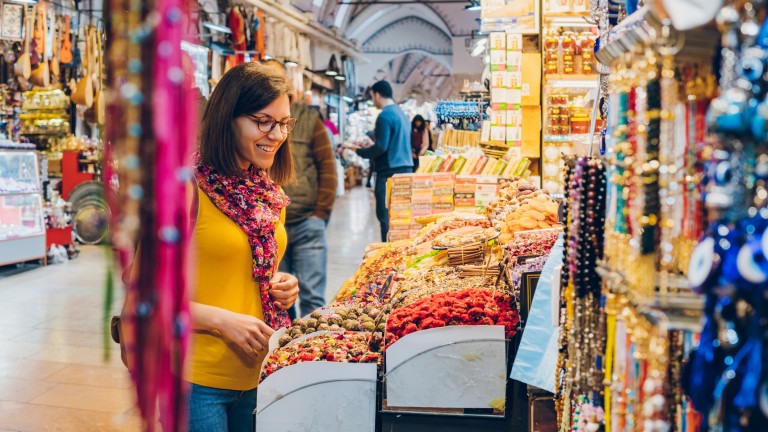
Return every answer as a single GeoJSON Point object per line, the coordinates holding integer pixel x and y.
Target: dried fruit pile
{"type": "Point", "coordinates": [539, 212]}
{"type": "Point", "coordinates": [466, 307]}
{"type": "Point", "coordinates": [347, 347]}
{"type": "Point", "coordinates": [369, 318]}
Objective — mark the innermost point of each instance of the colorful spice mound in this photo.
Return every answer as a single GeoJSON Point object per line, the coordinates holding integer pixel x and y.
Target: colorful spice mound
{"type": "Point", "coordinates": [370, 318]}
{"type": "Point", "coordinates": [467, 307]}
{"type": "Point", "coordinates": [347, 347]}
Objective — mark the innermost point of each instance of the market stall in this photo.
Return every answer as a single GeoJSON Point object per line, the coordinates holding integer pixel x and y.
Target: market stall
{"type": "Point", "coordinates": [438, 313]}
{"type": "Point", "coordinates": [52, 106]}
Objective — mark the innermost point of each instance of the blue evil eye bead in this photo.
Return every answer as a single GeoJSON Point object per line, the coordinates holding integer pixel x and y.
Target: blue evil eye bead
{"type": "Point", "coordinates": [761, 170]}
{"type": "Point", "coordinates": [731, 112]}
{"type": "Point", "coordinates": [759, 126]}
{"type": "Point", "coordinates": [723, 173]}
{"type": "Point", "coordinates": [764, 245]}
{"type": "Point", "coordinates": [730, 270]}
{"type": "Point", "coordinates": [749, 261]}
{"type": "Point", "coordinates": [703, 266]}
{"type": "Point", "coordinates": [751, 64]}
{"type": "Point", "coordinates": [762, 395]}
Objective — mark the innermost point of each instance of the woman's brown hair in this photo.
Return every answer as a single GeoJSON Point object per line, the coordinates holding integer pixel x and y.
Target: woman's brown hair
{"type": "Point", "coordinates": [244, 89]}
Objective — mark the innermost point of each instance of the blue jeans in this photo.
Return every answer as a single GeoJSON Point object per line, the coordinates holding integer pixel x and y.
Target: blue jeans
{"type": "Point", "coordinates": [219, 410]}
{"type": "Point", "coordinates": [381, 196]}
{"type": "Point", "coordinates": [306, 257]}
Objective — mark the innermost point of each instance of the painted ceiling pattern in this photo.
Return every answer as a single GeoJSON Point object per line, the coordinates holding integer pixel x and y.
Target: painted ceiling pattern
{"type": "Point", "coordinates": [406, 34]}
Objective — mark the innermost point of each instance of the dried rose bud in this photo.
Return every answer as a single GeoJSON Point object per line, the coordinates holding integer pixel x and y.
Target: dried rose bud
{"type": "Point", "coordinates": [285, 340]}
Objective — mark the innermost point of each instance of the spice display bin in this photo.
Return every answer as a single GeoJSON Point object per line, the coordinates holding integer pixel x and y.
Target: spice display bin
{"type": "Point", "coordinates": [288, 399]}
{"type": "Point", "coordinates": [454, 367]}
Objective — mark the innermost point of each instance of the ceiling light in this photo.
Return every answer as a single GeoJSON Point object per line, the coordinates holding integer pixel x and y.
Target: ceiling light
{"type": "Point", "coordinates": [331, 72]}
{"type": "Point", "coordinates": [24, 1]}
{"type": "Point", "coordinates": [340, 78]}
{"type": "Point", "coordinates": [291, 63]}
{"type": "Point", "coordinates": [348, 99]}
{"type": "Point", "coordinates": [474, 6]}
{"type": "Point", "coordinates": [217, 27]}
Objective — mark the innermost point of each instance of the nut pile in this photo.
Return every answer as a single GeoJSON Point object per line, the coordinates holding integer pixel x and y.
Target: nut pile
{"type": "Point", "coordinates": [371, 318]}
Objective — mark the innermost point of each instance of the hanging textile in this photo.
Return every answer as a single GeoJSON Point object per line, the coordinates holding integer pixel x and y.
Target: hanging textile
{"type": "Point", "coordinates": [151, 132]}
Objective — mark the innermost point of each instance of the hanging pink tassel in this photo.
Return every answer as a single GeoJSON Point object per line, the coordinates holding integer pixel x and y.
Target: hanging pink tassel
{"type": "Point", "coordinates": [174, 124]}
{"type": "Point", "coordinates": [152, 130]}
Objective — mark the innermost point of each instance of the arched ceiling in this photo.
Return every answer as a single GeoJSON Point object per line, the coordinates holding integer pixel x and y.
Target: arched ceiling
{"type": "Point", "coordinates": [407, 34]}
{"type": "Point", "coordinates": [403, 36]}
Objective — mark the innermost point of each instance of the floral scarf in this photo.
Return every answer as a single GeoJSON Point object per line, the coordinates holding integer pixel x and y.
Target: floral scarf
{"type": "Point", "coordinates": [254, 203]}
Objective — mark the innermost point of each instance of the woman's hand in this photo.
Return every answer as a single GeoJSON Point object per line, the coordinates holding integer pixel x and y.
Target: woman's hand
{"type": "Point", "coordinates": [249, 333]}
{"type": "Point", "coordinates": [284, 290]}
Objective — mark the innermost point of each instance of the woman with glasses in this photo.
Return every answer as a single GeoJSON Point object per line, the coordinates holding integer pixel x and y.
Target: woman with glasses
{"type": "Point", "coordinates": [240, 298]}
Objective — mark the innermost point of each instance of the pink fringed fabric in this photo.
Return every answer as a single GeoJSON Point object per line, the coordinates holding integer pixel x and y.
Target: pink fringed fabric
{"type": "Point", "coordinates": [174, 105]}
{"type": "Point", "coordinates": [151, 130]}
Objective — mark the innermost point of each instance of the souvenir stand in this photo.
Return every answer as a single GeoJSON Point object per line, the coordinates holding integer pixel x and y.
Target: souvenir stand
{"type": "Point", "coordinates": [52, 102]}
{"type": "Point", "coordinates": [662, 304]}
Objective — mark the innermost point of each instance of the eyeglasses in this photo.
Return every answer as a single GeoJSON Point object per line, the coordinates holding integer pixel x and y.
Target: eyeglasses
{"type": "Point", "coordinates": [267, 124]}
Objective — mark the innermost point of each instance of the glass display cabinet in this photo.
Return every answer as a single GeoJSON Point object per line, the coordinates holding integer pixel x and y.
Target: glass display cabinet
{"type": "Point", "coordinates": [22, 229]}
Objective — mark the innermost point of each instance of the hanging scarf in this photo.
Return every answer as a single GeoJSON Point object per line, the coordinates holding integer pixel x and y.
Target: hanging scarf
{"type": "Point", "coordinates": [254, 202]}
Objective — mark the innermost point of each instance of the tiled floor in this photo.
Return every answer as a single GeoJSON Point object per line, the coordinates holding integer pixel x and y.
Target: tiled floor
{"type": "Point", "coordinates": [53, 375]}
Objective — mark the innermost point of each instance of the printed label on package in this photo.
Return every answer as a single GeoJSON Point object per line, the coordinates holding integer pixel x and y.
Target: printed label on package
{"type": "Point", "coordinates": [514, 60]}
{"type": "Point", "coordinates": [514, 133]}
{"type": "Point", "coordinates": [498, 79]}
{"type": "Point", "coordinates": [497, 41]}
{"type": "Point", "coordinates": [498, 133]}
{"type": "Point", "coordinates": [514, 117]}
{"type": "Point", "coordinates": [499, 95]}
{"type": "Point", "coordinates": [514, 79]}
{"type": "Point", "coordinates": [498, 57]}
{"type": "Point", "coordinates": [515, 41]}
{"type": "Point", "coordinates": [485, 131]}
{"type": "Point", "coordinates": [498, 117]}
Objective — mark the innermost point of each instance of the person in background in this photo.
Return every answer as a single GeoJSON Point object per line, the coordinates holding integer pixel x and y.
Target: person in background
{"type": "Point", "coordinates": [333, 131]}
{"type": "Point", "coordinates": [429, 135]}
{"type": "Point", "coordinates": [391, 152]}
{"type": "Point", "coordinates": [419, 139]}
{"type": "Point", "coordinates": [312, 198]}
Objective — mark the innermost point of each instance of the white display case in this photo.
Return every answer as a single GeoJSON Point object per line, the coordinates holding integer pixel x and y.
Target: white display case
{"type": "Point", "coordinates": [22, 227]}
{"type": "Point", "coordinates": [454, 367]}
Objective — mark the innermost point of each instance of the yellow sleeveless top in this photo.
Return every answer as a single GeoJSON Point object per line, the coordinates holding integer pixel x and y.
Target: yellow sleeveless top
{"type": "Point", "coordinates": [224, 280]}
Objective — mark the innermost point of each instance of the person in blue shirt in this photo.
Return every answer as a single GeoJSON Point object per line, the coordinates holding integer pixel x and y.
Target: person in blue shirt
{"type": "Point", "coordinates": [391, 151]}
